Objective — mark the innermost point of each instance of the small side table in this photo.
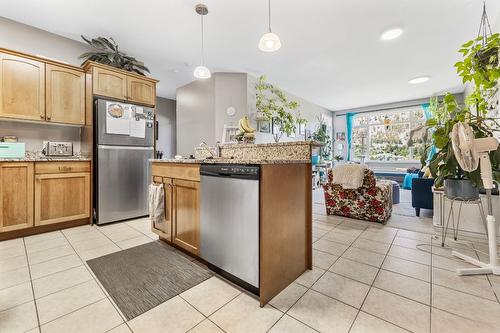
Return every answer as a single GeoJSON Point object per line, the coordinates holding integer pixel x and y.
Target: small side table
{"type": "Point", "coordinates": [458, 201]}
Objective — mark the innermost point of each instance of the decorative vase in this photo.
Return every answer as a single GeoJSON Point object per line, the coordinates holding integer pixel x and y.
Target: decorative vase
{"type": "Point", "coordinates": [460, 188]}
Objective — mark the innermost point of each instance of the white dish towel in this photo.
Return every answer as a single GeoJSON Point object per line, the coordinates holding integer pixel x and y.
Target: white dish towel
{"type": "Point", "coordinates": [156, 204]}
{"type": "Point", "coordinates": [350, 176]}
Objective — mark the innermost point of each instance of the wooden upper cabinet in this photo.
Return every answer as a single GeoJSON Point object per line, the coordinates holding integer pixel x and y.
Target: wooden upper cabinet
{"type": "Point", "coordinates": [186, 215]}
{"type": "Point", "coordinates": [65, 95]}
{"type": "Point", "coordinates": [22, 90]}
{"type": "Point", "coordinates": [61, 197]}
{"type": "Point", "coordinates": [16, 196]}
{"type": "Point", "coordinates": [109, 83]}
{"type": "Point", "coordinates": [141, 91]}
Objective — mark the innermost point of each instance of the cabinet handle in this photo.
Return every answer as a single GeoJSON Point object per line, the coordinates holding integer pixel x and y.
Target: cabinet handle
{"type": "Point", "coordinates": [48, 117]}
{"type": "Point", "coordinates": [42, 116]}
{"type": "Point", "coordinates": [64, 168]}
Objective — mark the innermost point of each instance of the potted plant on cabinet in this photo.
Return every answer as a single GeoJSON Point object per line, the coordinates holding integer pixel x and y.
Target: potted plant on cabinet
{"type": "Point", "coordinates": [321, 135]}
{"type": "Point", "coordinates": [106, 52]}
{"type": "Point", "coordinates": [273, 105]}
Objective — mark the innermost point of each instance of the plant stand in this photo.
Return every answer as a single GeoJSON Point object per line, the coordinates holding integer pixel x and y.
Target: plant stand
{"type": "Point", "coordinates": [451, 214]}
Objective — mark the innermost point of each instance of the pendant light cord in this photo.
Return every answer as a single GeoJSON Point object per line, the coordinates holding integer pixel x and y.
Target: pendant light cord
{"type": "Point", "coordinates": [202, 43]}
{"type": "Point", "coordinates": [269, 13]}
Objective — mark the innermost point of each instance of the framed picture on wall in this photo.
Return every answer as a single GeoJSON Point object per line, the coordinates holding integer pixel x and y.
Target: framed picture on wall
{"type": "Point", "coordinates": [229, 134]}
{"type": "Point", "coordinates": [264, 126]}
{"type": "Point", "coordinates": [340, 136]}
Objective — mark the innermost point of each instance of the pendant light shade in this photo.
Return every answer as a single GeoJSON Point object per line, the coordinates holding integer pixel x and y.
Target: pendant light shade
{"type": "Point", "coordinates": [202, 72]}
{"type": "Point", "coordinates": [269, 42]}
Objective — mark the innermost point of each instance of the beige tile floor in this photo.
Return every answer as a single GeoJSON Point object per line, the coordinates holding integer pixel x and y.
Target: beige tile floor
{"type": "Point", "coordinates": [366, 278]}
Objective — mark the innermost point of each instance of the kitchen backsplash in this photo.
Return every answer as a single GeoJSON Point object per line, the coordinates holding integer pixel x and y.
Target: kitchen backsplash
{"type": "Point", "coordinates": [33, 134]}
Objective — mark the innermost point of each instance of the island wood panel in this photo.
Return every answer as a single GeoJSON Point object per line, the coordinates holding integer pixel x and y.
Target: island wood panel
{"type": "Point", "coordinates": [285, 226]}
{"type": "Point", "coordinates": [65, 95]}
{"type": "Point", "coordinates": [186, 215]}
{"type": "Point", "coordinates": [22, 92]}
{"type": "Point", "coordinates": [16, 196]}
{"type": "Point", "coordinates": [61, 197]}
{"type": "Point", "coordinates": [184, 171]}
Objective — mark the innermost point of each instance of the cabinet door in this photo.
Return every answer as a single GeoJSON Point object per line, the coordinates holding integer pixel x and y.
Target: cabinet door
{"type": "Point", "coordinates": [109, 83]}
{"type": "Point", "coordinates": [65, 95]}
{"type": "Point", "coordinates": [16, 196]}
{"type": "Point", "coordinates": [186, 215]}
{"type": "Point", "coordinates": [22, 88]}
{"type": "Point", "coordinates": [164, 229]}
{"type": "Point", "coordinates": [141, 91]}
{"type": "Point", "coordinates": [61, 197]}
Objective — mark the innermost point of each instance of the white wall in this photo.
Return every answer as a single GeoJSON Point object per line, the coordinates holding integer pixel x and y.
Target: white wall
{"type": "Point", "coordinates": [195, 121]}
{"type": "Point", "coordinates": [166, 118]}
{"type": "Point", "coordinates": [24, 38]}
{"type": "Point", "coordinates": [308, 110]}
{"type": "Point", "coordinates": [20, 37]}
{"type": "Point", "coordinates": [230, 90]}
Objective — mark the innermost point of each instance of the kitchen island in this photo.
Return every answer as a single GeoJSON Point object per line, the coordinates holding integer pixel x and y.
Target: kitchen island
{"type": "Point", "coordinates": [284, 216]}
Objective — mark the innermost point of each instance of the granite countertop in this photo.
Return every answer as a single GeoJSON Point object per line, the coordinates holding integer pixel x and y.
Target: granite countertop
{"type": "Point", "coordinates": [227, 161]}
{"type": "Point", "coordinates": [46, 159]}
{"type": "Point", "coordinates": [271, 144]}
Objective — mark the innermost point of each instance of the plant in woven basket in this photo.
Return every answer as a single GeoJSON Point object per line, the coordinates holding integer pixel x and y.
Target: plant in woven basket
{"type": "Point", "coordinates": [106, 52]}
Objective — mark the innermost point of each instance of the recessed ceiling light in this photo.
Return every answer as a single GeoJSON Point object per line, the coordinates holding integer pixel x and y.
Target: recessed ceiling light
{"type": "Point", "coordinates": [419, 79]}
{"type": "Point", "coordinates": [391, 33]}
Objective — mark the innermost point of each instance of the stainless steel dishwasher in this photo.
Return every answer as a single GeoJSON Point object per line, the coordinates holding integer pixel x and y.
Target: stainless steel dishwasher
{"type": "Point", "coordinates": [229, 221]}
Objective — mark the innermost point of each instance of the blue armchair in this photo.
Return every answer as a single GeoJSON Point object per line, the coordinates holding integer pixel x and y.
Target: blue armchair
{"type": "Point", "coordinates": [421, 194]}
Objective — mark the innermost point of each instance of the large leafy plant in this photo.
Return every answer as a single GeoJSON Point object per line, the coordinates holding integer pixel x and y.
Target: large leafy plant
{"type": "Point", "coordinates": [106, 52]}
{"type": "Point", "coordinates": [274, 105]}
{"type": "Point", "coordinates": [444, 164]}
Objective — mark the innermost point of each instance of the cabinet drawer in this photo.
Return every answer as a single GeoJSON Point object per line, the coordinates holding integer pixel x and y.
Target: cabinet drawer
{"type": "Point", "coordinates": [61, 167]}
{"type": "Point", "coordinates": [180, 171]}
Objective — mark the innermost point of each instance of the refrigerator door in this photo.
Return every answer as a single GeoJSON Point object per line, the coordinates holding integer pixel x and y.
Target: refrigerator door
{"type": "Point", "coordinates": [123, 177]}
{"type": "Point", "coordinates": [117, 134]}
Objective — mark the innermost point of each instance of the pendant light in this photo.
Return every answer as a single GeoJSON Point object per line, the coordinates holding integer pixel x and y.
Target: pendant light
{"type": "Point", "coordinates": [202, 72]}
{"type": "Point", "coordinates": [269, 42]}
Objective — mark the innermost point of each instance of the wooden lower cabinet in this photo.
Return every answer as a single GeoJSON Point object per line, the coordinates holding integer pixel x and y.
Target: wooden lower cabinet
{"type": "Point", "coordinates": [61, 197]}
{"type": "Point", "coordinates": [16, 196]}
{"type": "Point", "coordinates": [182, 204]}
{"type": "Point", "coordinates": [186, 215]}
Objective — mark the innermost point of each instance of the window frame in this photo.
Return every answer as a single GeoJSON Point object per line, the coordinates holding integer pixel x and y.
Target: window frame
{"type": "Point", "coordinates": [412, 121]}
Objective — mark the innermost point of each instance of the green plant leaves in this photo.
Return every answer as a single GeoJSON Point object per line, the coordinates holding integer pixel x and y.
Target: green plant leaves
{"type": "Point", "coordinates": [107, 52]}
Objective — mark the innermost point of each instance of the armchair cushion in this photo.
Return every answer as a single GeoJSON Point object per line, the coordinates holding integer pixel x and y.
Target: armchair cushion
{"type": "Point", "coordinates": [370, 202]}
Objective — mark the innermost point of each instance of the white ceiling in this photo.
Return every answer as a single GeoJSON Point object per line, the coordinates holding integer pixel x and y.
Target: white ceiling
{"type": "Point", "coordinates": [331, 53]}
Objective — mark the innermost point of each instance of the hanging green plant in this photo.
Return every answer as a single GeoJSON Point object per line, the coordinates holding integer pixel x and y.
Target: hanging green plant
{"type": "Point", "coordinates": [107, 53]}
{"type": "Point", "coordinates": [275, 107]}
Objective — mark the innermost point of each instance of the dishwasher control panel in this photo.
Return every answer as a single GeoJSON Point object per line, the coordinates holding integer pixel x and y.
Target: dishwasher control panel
{"type": "Point", "coordinates": [230, 170]}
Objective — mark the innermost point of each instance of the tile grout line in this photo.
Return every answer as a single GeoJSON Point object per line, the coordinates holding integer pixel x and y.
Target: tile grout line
{"type": "Point", "coordinates": [371, 286]}
{"type": "Point", "coordinates": [106, 296]}
{"type": "Point", "coordinates": [310, 287]}
{"type": "Point", "coordinates": [32, 289]}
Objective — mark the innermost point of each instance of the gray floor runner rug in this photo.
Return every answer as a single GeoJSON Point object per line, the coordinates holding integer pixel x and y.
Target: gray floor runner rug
{"type": "Point", "coordinates": [142, 277]}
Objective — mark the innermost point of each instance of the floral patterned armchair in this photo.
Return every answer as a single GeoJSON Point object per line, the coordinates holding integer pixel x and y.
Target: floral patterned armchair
{"type": "Point", "coordinates": [371, 202]}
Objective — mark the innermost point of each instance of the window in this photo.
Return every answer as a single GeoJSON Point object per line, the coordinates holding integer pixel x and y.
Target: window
{"type": "Point", "coordinates": [383, 135]}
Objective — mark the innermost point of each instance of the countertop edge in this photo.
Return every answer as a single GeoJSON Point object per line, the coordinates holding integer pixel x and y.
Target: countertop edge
{"type": "Point", "coordinates": [228, 161]}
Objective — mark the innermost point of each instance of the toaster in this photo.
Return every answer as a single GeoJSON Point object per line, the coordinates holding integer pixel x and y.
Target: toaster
{"type": "Point", "coordinates": [58, 149]}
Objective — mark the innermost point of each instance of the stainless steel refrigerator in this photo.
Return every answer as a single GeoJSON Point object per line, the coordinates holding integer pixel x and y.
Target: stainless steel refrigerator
{"type": "Point", "coordinates": [123, 136]}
